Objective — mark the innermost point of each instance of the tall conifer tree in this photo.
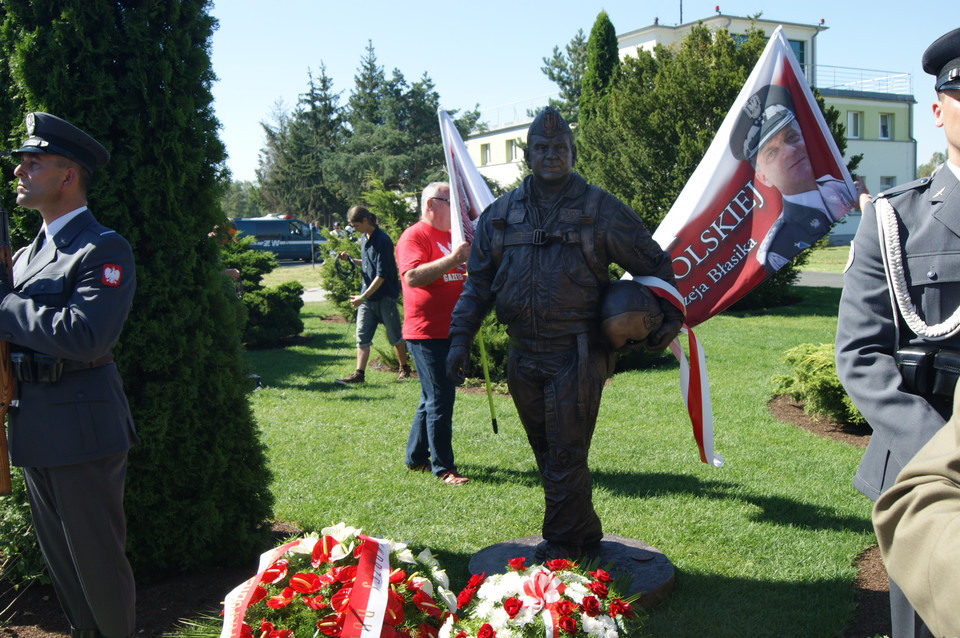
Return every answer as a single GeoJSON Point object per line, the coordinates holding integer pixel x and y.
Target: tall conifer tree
{"type": "Point", "coordinates": [137, 76]}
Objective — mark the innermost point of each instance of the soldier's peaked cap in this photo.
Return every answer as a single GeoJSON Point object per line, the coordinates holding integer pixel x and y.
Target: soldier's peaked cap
{"type": "Point", "coordinates": [548, 123]}
{"type": "Point", "coordinates": [942, 60]}
{"type": "Point", "coordinates": [766, 113]}
{"type": "Point", "coordinates": [54, 136]}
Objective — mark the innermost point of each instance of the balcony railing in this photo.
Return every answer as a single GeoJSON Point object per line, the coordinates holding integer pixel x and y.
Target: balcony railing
{"type": "Point", "coordinates": [861, 80]}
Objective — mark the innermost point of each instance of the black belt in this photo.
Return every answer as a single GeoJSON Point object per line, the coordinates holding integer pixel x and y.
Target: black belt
{"type": "Point", "coordinates": [928, 371]}
{"type": "Point", "coordinates": [36, 367]}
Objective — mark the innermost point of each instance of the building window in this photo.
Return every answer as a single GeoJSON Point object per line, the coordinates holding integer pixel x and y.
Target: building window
{"type": "Point", "coordinates": [800, 50]}
{"type": "Point", "coordinates": [484, 154]}
{"type": "Point", "coordinates": [886, 126]}
{"type": "Point", "coordinates": [854, 118]}
{"type": "Point", "coordinates": [513, 151]}
{"type": "Point", "coordinates": [887, 182]}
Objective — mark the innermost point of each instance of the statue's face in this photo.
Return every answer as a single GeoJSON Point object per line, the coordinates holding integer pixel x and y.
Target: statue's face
{"type": "Point", "coordinates": [550, 158]}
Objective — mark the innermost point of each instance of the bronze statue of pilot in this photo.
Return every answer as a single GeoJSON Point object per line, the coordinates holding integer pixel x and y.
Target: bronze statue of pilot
{"type": "Point", "coordinates": [540, 254]}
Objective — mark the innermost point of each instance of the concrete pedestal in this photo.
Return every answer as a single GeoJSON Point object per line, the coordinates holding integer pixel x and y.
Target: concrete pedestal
{"type": "Point", "coordinates": [650, 570]}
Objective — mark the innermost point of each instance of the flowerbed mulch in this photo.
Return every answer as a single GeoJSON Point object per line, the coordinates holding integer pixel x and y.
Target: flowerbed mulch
{"type": "Point", "coordinates": [160, 606]}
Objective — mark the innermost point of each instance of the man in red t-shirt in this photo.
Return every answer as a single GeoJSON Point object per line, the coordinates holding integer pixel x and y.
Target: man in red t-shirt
{"type": "Point", "coordinates": [431, 275]}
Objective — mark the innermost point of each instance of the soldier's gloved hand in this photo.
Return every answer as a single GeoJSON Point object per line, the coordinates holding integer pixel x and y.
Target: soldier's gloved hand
{"type": "Point", "coordinates": [669, 328]}
{"type": "Point", "coordinates": [458, 362]}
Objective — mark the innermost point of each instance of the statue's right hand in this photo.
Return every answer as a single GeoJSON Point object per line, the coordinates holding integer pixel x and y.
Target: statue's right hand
{"type": "Point", "coordinates": [458, 362]}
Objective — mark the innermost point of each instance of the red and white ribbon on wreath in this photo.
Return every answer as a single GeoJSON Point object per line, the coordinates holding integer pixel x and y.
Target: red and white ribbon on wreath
{"type": "Point", "coordinates": [368, 598]}
{"type": "Point", "coordinates": [542, 590]}
{"type": "Point", "coordinates": [693, 375]}
{"type": "Point", "coordinates": [237, 601]}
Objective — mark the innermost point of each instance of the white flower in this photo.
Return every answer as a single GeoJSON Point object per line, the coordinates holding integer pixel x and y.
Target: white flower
{"type": "Point", "coordinates": [427, 558]}
{"type": "Point", "coordinates": [341, 532]}
{"type": "Point", "coordinates": [305, 546]}
{"type": "Point", "coordinates": [448, 597]}
{"type": "Point", "coordinates": [406, 556]}
{"type": "Point", "coordinates": [423, 584]}
{"type": "Point", "coordinates": [447, 630]}
{"type": "Point", "coordinates": [601, 626]}
{"type": "Point", "coordinates": [440, 576]}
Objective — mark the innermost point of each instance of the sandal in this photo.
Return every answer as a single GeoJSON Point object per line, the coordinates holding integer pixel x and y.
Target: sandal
{"type": "Point", "coordinates": [419, 468]}
{"type": "Point", "coordinates": [452, 477]}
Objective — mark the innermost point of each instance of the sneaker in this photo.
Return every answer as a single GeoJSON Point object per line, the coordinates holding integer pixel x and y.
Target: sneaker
{"type": "Point", "coordinates": [356, 377]}
{"type": "Point", "coordinates": [405, 373]}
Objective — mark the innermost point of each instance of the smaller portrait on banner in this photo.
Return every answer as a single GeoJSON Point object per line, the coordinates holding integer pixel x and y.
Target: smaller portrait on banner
{"type": "Point", "coordinates": [768, 135]}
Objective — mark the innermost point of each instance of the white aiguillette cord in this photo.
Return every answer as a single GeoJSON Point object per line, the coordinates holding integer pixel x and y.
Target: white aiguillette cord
{"type": "Point", "coordinates": [892, 253]}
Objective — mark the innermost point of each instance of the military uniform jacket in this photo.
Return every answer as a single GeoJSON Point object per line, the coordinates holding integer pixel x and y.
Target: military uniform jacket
{"type": "Point", "coordinates": [551, 289]}
{"type": "Point", "coordinates": [928, 211]}
{"type": "Point", "coordinates": [918, 527]}
{"type": "Point", "coordinates": [70, 301]}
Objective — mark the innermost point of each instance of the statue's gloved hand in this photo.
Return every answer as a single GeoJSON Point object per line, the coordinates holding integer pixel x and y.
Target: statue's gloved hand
{"type": "Point", "coordinates": [669, 328]}
{"type": "Point", "coordinates": [458, 362]}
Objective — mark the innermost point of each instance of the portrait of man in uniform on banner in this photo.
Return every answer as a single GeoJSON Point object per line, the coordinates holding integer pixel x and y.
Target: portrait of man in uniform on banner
{"type": "Point", "coordinates": [771, 184]}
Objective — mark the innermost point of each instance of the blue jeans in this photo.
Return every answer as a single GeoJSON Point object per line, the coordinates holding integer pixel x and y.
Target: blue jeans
{"type": "Point", "coordinates": [431, 433]}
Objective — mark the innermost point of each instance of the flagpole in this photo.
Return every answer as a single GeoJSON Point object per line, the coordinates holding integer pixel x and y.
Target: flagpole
{"type": "Point", "coordinates": [486, 378]}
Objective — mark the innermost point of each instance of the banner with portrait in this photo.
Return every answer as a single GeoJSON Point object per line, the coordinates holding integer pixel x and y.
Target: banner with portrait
{"type": "Point", "coordinates": [771, 183]}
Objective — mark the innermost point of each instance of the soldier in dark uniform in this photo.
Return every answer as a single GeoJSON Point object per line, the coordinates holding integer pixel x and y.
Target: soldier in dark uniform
{"type": "Point", "coordinates": [769, 137]}
{"type": "Point", "coordinates": [541, 254]}
{"type": "Point", "coordinates": [70, 426]}
{"type": "Point", "coordinates": [898, 336]}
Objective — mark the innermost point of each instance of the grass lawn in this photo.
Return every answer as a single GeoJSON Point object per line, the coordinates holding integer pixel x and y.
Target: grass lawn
{"type": "Point", "coordinates": [764, 545]}
{"type": "Point", "coordinates": [829, 259]}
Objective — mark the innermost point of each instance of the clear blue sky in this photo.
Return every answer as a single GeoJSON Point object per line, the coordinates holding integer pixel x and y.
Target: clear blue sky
{"type": "Point", "coordinates": [491, 53]}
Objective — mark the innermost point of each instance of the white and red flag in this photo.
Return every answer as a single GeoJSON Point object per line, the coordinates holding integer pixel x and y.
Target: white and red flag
{"type": "Point", "coordinates": [771, 183]}
{"type": "Point", "coordinates": [469, 194]}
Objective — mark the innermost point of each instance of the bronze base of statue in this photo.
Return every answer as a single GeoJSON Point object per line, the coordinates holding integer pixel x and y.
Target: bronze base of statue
{"type": "Point", "coordinates": [650, 570]}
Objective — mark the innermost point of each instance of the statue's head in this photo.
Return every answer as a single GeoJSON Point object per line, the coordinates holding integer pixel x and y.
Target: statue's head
{"type": "Point", "coordinates": [550, 152]}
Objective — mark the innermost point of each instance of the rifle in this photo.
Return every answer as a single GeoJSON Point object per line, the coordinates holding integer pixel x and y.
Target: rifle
{"type": "Point", "coordinates": [6, 369]}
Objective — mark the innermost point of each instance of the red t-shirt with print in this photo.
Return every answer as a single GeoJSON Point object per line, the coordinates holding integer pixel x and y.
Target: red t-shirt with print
{"type": "Point", "coordinates": [427, 309]}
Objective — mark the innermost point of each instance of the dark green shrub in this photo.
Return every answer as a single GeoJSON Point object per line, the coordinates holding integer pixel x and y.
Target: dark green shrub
{"type": "Point", "coordinates": [19, 552]}
{"type": "Point", "coordinates": [273, 314]}
{"type": "Point", "coordinates": [814, 383]}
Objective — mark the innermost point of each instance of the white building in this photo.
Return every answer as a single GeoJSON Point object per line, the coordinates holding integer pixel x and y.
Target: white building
{"type": "Point", "coordinates": [876, 106]}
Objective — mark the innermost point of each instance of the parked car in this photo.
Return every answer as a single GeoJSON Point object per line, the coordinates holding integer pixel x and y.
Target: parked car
{"type": "Point", "coordinates": [284, 236]}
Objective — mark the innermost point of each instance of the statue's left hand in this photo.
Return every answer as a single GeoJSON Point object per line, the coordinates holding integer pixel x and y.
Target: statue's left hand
{"type": "Point", "coordinates": [669, 329]}
{"type": "Point", "coordinates": [458, 362]}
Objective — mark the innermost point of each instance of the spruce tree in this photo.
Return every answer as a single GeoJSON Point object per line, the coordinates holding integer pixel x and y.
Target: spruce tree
{"type": "Point", "coordinates": [566, 71]}
{"type": "Point", "coordinates": [137, 75]}
{"type": "Point", "coordinates": [603, 60]}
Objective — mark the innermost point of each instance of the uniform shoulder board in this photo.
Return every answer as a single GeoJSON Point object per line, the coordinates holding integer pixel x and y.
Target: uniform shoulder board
{"type": "Point", "coordinates": [902, 188]}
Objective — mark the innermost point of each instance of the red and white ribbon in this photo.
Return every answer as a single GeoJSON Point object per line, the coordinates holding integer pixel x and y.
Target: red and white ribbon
{"type": "Point", "coordinates": [542, 590]}
{"type": "Point", "coordinates": [368, 598]}
{"type": "Point", "coordinates": [693, 375]}
{"type": "Point", "coordinates": [236, 602]}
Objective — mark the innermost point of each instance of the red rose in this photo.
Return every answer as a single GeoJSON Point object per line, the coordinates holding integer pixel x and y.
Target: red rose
{"type": "Point", "coordinates": [558, 564]}
{"type": "Point", "coordinates": [598, 588]}
{"type": "Point", "coordinates": [461, 634]}
{"type": "Point", "coordinates": [619, 608]}
{"type": "Point", "coordinates": [486, 631]}
{"type": "Point", "coordinates": [512, 606]}
{"type": "Point", "coordinates": [475, 581]}
{"type": "Point", "coordinates": [601, 575]}
{"type": "Point", "coordinates": [517, 564]}
{"type": "Point", "coordinates": [567, 624]}
{"type": "Point", "coordinates": [566, 607]}
{"type": "Point", "coordinates": [590, 606]}
{"type": "Point", "coordinates": [464, 597]}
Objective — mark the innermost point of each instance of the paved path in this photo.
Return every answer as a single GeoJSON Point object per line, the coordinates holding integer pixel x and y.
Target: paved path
{"type": "Point", "coordinates": [821, 279]}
